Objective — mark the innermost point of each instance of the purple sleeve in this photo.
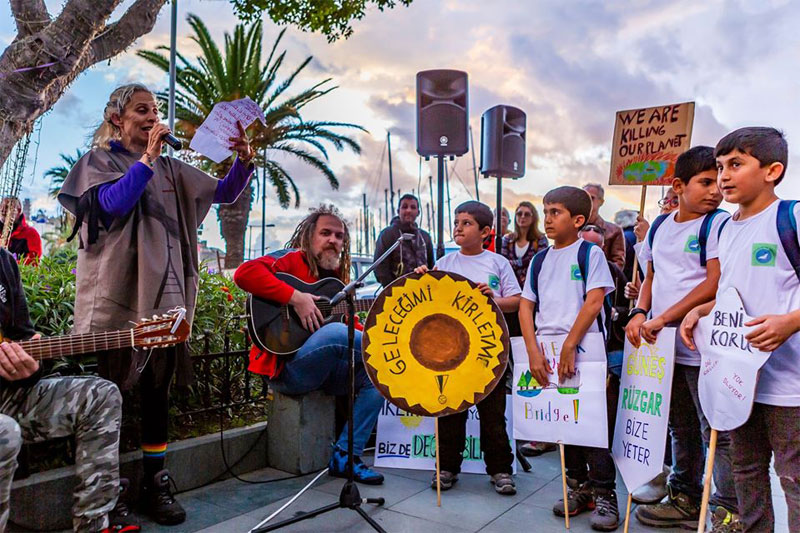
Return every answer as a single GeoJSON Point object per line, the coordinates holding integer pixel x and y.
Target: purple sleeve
{"type": "Point", "coordinates": [229, 188]}
{"type": "Point", "coordinates": [118, 198]}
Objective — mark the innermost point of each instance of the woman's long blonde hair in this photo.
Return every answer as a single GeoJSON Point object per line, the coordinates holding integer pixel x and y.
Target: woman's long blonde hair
{"type": "Point", "coordinates": [120, 97]}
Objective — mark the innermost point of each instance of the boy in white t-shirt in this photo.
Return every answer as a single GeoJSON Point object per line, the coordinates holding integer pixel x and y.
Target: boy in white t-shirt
{"type": "Point", "coordinates": [566, 304]}
{"type": "Point", "coordinates": [680, 252]}
{"type": "Point", "coordinates": [759, 261]}
{"type": "Point", "coordinates": [494, 276]}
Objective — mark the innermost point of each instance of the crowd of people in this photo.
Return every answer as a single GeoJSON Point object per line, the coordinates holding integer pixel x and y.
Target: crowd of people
{"type": "Point", "coordinates": [137, 213]}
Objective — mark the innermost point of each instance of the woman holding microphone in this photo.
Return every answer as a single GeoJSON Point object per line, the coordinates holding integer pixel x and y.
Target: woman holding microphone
{"type": "Point", "coordinates": [137, 214]}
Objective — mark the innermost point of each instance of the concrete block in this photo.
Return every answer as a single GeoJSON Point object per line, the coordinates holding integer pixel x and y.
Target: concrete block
{"type": "Point", "coordinates": [301, 429]}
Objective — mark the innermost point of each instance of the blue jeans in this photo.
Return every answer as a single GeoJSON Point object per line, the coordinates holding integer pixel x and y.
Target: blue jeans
{"type": "Point", "coordinates": [690, 434]}
{"type": "Point", "coordinates": [322, 364]}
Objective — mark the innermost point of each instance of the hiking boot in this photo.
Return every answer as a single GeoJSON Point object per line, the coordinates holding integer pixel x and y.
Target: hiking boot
{"type": "Point", "coordinates": [121, 519]}
{"type": "Point", "coordinates": [605, 516]}
{"type": "Point", "coordinates": [579, 499]}
{"type": "Point", "coordinates": [159, 503]}
{"type": "Point", "coordinates": [504, 484]}
{"type": "Point", "coordinates": [446, 480]}
{"type": "Point", "coordinates": [724, 521]}
{"type": "Point", "coordinates": [677, 510]}
{"type": "Point", "coordinates": [534, 449]}
{"type": "Point", "coordinates": [337, 467]}
{"type": "Point", "coordinates": [654, 491]}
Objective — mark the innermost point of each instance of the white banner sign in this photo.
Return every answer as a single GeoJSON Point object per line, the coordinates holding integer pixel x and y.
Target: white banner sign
{"type": "Point", "coordinates": [212, 137]}
{"type": "Point", "coordinates": [405, 440]}
{"type": "Point", "coordinates": [729, 366]}
{"type": "Point", "coordinates": [643, 409]}
{"type": "Point", "coordinates": [573, 412]}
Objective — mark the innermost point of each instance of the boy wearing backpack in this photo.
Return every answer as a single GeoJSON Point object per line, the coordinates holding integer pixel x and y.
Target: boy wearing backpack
{"type": "Point", "coordinates": [759, 256]}
{"type": "Point", "coordinates": [563, 295]}
{"type": "Point", "coordinates": [682, 272]}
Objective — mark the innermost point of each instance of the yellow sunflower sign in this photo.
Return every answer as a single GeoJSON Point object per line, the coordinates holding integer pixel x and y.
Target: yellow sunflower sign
{"type": "Point", "coordinates": [434, 345]}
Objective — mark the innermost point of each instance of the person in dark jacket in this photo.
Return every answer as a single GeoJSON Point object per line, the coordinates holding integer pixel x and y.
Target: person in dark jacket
{"type": "Point", "coordinates": [410, 254]}
{"type": "Point", "coordinates": [33, 409]}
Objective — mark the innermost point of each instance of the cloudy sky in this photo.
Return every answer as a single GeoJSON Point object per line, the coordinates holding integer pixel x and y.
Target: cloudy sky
{"type": "Point", "coordinates": [569, 65]}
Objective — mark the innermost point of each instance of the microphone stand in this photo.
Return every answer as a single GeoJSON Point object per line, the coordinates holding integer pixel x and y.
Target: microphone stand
{"type": "Point", "coordinates": [349, 497]}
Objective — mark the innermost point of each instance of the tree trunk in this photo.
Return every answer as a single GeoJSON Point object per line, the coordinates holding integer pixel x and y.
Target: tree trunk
{"type": "Point", "coordinates": [47, 54]}
{"type": "Point", "coordinates": [233, 225]}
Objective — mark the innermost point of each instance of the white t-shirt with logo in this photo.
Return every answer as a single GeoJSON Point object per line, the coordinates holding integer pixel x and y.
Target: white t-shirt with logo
{"type": "Point", "coordinates": [752, 261]}
{"type": "Point", "coordinates": [676, 260]}
{"type": "Point", "coordinates": [561, 288]}
{"type": "Point", "coordinates": [487, 267]}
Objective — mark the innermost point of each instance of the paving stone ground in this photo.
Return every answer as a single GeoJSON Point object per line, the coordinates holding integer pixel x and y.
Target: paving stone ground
{"type": "Point", "coordinates": [471, 506]}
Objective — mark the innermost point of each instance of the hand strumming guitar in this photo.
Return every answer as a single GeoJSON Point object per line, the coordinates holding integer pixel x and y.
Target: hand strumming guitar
{"type": "Point", "coordinates": [306, 308]}
{"type": "Point", "coordinates": [15, 364]}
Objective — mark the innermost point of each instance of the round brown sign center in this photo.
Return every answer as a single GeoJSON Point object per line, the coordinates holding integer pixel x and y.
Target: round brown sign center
{"type": "Point", "coordinates": [439, 342]}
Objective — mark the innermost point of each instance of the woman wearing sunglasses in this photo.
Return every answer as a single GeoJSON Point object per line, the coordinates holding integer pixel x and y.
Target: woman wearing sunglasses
{"type": "Point", "coordinates": [520, 246]}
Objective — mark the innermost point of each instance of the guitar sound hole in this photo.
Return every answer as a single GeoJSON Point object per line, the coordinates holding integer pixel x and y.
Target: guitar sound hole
{"type": "Point", "coordinates": [439, 342]}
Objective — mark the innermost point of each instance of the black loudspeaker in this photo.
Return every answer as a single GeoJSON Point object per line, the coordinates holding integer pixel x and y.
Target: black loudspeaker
{"type": "Point", "coordinates": [503, 142]}
{"type": "Point", "coordinates": [442, 113]}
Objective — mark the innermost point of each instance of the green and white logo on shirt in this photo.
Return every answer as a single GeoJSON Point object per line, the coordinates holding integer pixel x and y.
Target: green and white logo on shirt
{"type": "Point", "coordinates": [494, 282]}
{"type": "Point", "coordinates": [763, 254]}
{"type": "Point", "coordinates": [692, 245]}
{"type": "Point", "coordinates": [575, 273]}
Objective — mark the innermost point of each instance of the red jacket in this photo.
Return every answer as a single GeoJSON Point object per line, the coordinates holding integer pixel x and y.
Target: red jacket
{"type": "Point", "coordinates": [258, 278]}
{"type": "Point", "coordinates": [25, 242]}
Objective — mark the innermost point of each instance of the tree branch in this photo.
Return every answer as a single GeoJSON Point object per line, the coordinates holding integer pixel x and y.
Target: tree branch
{"type": "Point", "coordinates": [138, 20]}
{"type": "Point", "coordinates": [30, 15]}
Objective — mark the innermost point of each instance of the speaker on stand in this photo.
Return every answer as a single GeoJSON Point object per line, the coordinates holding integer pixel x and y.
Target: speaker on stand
{"type": "Point", "coordinates": [502, 151]}
{"type": "Point", "coordinates": [442, 126]}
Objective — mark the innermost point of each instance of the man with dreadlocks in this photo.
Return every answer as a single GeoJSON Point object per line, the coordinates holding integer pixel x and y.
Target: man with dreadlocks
{"type": "Point", "coordinates": [320, 249]}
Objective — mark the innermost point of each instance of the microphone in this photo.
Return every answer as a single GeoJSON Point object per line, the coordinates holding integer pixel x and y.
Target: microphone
{"type": "Point", "coordinates": [173, 141]}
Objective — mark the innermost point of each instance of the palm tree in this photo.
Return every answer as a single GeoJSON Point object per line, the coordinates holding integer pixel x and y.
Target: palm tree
{"type": "Point", "coordinates": [57, 175]}
{"type": "Point", "coordinates": [238, 73]}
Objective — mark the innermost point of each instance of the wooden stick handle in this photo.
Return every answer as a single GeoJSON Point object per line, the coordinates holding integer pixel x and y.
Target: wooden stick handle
{"type": "Point", "coordinates": [635, 271]}
{"type": "Point", "coordinates": [564, 484]}
{"type": "Point", "coordinates": [628, 513]}
{"type": "Point", "coordinates": [438, 471]}
{"type": "Point", "coordinates": [712, 448]}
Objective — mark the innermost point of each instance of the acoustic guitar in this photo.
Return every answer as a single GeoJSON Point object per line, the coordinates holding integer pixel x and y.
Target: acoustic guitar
{"type": "Point", "coordinates": [157, 332]}
{"type": "Point", "coordinates": [277, 329]}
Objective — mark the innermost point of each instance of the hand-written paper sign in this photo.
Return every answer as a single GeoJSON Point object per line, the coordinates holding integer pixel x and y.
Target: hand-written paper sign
{"type": "Point", "coordinates": [729, 365]}
{"type": "Point", "coordinates": [211, 138]}
{"type": "Point", "coordinates": [643, 409]}
{"type": "Point", "coordinates": [572, 412]}
{"type": "Point", "coordinates": [406, 440]}
{"type": "Point", "coordinates": [648, 141]}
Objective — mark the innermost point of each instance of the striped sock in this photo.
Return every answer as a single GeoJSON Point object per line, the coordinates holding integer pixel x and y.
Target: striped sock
{"type": "Point", "coordinates": [153, 459]}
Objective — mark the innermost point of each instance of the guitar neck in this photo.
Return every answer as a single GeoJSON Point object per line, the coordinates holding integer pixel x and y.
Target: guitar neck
{"type": "Point", "coordinates": [76, 344]}
{"type": "Point", "coordinates": [361, 306]}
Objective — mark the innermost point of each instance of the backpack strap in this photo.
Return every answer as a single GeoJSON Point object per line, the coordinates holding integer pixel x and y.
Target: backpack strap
{"type": "Point", "coordinates": [705, 229]}
{"type": "Point", "coordinates": [721, 226]}
{"type": "Point", "coordinates": [787, 232]}
{"type": "Point", "coordinates": [536, 268]}
{"type": "Point", "coordinates": [652, 233]}
{"type": "Point", "coordinates": [584, 255]}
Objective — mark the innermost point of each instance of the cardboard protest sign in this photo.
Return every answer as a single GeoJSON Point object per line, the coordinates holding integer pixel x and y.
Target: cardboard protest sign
{"type": "Point", "coordinates": [573, 412]}
{"type": "Point", "coordinates": [648, 141]}
{"type": "Point", "coordinates": [406, 440]}
{"type": "Point", "coordinates": [729, 366]}
{"type": "Point", "coordinates": [643, 409]}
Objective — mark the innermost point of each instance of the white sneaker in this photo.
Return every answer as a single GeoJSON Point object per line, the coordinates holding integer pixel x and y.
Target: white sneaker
{"type": "Point", "coordinates": [654, 491]}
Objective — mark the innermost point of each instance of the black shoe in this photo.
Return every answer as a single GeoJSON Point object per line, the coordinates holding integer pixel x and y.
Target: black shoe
{"type": "Point", "coordinates": [121, 519]}
{"type": "Point", "coordinates": [157, 500]}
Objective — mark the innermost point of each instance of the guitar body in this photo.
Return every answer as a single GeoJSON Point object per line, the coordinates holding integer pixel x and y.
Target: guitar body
{"type": "Point", "coordinates": [276, 328]}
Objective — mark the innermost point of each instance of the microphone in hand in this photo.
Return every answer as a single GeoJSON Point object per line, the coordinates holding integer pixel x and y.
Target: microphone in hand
{"type": "Point", "coordinates": [173, 141]}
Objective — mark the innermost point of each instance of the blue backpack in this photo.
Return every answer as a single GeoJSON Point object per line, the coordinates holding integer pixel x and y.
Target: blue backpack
{"type": "Point", "coordinates": [702, 238]}
{"type": "Point", "coordinates": [583, 265]}
{"type": "Point", "coordinates": [787, 233]}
